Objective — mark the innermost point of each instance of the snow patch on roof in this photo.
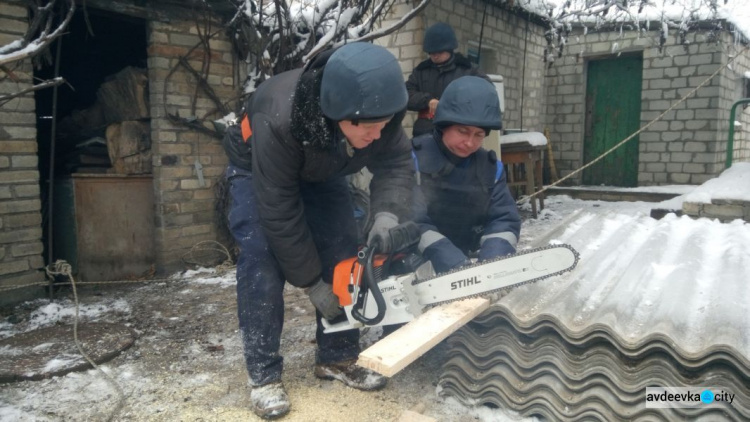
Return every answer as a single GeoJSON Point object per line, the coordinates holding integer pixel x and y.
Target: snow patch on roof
{"type": "Point", "coordinates": [737, 12]}
{"type": "Point", "coordinates": [533, 138]}
{"type": "Point", "coordinates": [732, 184]}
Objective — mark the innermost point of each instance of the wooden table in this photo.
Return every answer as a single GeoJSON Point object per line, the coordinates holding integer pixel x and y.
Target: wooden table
{"type": "Point", "coordinates": [530, 176]}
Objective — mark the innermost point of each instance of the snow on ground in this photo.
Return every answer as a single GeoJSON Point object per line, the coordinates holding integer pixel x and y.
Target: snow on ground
{"type": "Point", "coordinates": [187, 362]}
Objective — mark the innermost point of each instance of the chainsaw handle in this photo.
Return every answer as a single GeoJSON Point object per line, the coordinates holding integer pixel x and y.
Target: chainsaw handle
{"type": "Point", "coordinates": [365, 260]}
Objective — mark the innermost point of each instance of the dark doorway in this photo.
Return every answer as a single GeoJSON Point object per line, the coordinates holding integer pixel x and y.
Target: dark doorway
{"type": "Point", "coordinates": [97, 44]}
{"type": "Point", "coordinates": [613, 112]}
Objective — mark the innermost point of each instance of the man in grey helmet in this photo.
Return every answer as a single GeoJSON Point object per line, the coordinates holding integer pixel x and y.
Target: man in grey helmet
{"type": "Point", "coordinates": [462, 202]}
{"type": "Point", "coordinates": [429, 79]}
{"type": "Point", "coordinates": [292, 213]}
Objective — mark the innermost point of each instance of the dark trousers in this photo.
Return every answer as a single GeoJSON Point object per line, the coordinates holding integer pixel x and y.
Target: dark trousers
{"type": "Point", "coordinates": [260, 282]}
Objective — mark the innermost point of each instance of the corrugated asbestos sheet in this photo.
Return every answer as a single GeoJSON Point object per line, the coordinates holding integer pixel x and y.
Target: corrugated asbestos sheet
{"type": "Point", "coordinates": [652, 303]}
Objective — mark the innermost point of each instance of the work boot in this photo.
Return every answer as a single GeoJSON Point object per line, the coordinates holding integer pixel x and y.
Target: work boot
{"type": "Point", "coordinates": [351, 374]}
{"type": "Point", "coordinates": [270, 401]}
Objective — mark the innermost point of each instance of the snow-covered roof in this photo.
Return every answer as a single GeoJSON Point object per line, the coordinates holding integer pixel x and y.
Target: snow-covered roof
{"type": "Point", "coordinates": [736, 12]}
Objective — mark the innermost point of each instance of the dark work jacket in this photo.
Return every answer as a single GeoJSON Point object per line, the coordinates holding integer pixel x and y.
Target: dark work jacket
{"type": "Point", "coordinates": [428, 81]}
{"type": "Point", "coordinates": [463, 200]}
{"type": "Point", "coordinates": [293, 142]}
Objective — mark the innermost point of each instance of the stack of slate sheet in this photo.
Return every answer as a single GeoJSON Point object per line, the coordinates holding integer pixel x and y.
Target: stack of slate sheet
{"type": "Point", "coordinates": [651, 304]}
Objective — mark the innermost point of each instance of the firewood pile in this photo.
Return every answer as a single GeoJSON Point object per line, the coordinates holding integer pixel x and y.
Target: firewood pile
{"type": "Point", "coordinates": [113, 135]}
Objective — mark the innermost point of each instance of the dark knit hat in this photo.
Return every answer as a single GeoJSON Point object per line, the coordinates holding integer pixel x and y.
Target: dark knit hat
{"type": "Point", "coordinates": [362, 81]}
{"type": "Point", "coordinates": [439, 37]}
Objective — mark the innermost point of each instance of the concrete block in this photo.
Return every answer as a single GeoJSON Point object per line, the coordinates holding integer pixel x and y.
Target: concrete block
{"type": "Point", "coordinates": [15, 221]}
{"type": "Point", "coordinates": [656, 167]}
{"type": "Point", "coordinates": [650, 157]}
{"type": "Point", "coordinates": [659, 105]}
{"type": "Point", "coordinates": [682, 157]}
{"type": "Point", "coordinates": [24, 161]}
{"type": "Point", "coordinates": [191, 184]}
{"type": "Point", "coordinates": [706, 113]}
{"type": "Point", "coordinates": [174, 172]}
{"type": "Point", "coordinates": [694, 168]}
{"type": "Point", "coordinates": [688, 71]}
{"type": "Point", "coordinates": [670, 136]}
{"type": "Point", "coordinates": [700, 59]}
{"type": "Point", "coordinates": [674, 168]}
{"type": "Point", "coordinates": [659, 84]}
{"type": "Point", "coordinates": [26, 249]}
{"type": "Point", "coordinates": [655, 146]}
{"type": "Point", "coordinates": [13, 267]}
{"type": "Point", "coordinates": [675, 146]}
{"type": "Point", "coordinates": [685, 114]}
{"type": "Point", "coordinates": [696, 124]}
{"type": "Point", "coordinates": [23, 235]}
{"type": "Point", "coordinates": [679, 178]}
{"type": "Point", "coordinates": [695, 147]}
{"type": "Point", "coordinates": [692, 208]}
{"type": "Point", "coordinates": [653, 74]}
{"type": "Point", "coordinates": [19, 132]}
{"type": "Point", "coordinates": [706, 157]}
{"type": "Point", "coordinates": [723, 212]}
{"type": "Point", "coordinates": [679, 83]}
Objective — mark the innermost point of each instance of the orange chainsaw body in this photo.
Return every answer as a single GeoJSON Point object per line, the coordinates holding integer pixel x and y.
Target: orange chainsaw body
{"type": "Point", "coordinates": [348, 274]}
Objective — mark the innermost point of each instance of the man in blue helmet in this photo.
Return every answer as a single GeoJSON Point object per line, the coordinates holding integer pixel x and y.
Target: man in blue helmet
{"type": "Point", "coordinates": [463, 203]}
{"type": "Point", "coordinates": [429, 79]}
{"type": "Point", "coordinates": [292, 213]}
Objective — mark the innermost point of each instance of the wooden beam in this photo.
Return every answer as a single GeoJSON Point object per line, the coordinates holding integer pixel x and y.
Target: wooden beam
{"type": "Point", "coordinates": [393, 353]}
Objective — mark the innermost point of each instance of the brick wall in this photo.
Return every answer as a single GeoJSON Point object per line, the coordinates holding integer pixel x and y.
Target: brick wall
{"type": "Point", "coordinates": [20, 205]}
{"type": "Point", "coordinates": [733, 85]}
{"type": "Point", "coordinates": [687, 145]}
{"type": "Point", "coordinates": [184, 209]}
{"type": "Point", "coordinates": [504, 35]}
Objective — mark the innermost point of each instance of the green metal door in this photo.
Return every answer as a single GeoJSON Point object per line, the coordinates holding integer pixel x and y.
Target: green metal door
{"type": "Point", "coordinates": [613, 112]}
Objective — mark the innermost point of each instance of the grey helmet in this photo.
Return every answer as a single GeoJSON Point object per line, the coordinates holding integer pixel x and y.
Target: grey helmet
{"type": "Point", "coordinates": [470, 101]}
{"type": "Point", "coordinates": [362, 81]}
{"type": "Point", "coordinates": [439, 37]}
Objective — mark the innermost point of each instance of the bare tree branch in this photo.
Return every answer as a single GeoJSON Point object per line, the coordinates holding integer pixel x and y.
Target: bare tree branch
{"type": "Point", "coordinates": [46, 84]}
{"type": "Point", "coordinates": [386, 31]}
{"type": "Point", "coordinates": [33, 43]}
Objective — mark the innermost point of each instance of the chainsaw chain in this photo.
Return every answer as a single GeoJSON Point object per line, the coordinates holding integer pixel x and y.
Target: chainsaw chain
{"type": "Point", "coordinates": [489, 292]}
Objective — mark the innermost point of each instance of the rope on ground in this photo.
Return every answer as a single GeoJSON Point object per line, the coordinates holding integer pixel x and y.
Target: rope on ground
{"type": "Point", "coordinates": [63, 268]}
{"type": "Point", "coordinates": [636, 133]}
{"type": "Point", "coordinates": [191, 259]}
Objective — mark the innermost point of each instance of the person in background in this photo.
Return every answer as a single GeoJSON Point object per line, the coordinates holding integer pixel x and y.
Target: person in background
{"type": "Point", "coordinates": [429, 79]}
{"type": "Point", "coordinates": [462, 203]}
{"type": "Point", "coordinates": [292, 212]}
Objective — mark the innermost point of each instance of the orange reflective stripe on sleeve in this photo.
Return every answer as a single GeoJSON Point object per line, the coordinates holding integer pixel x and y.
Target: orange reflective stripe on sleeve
{"type": "Point", "coordinates": [247, 132]}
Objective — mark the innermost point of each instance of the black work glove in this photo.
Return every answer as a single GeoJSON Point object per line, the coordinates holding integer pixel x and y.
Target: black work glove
{"type": "Point", "coordinates": [322, 297]}
{"type": "Point", "coordinates": [384, 221]}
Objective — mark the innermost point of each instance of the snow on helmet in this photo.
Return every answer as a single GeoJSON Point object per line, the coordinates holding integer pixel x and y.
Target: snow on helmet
{"type": "Point", "coordinates": [362, 81]}
{"type": "Point", "coordinates": [470, 101]}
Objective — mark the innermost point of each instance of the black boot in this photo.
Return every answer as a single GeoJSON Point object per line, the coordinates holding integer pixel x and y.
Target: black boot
{"type": "Point", "coordinates": [351, 374]}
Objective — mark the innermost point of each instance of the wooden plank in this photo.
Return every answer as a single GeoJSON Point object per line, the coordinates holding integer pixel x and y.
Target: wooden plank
{"type": "Point", "coordinates": [404, 346]}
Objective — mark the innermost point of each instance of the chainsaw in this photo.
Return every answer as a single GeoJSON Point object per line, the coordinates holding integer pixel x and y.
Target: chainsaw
{"type": "Point", "coordinates": [372, 293]}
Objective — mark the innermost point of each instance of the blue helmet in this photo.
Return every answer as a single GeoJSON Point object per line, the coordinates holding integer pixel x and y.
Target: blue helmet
{"type": "Point", "coordinates": [470, 101]}
{"type": "Point", "coordinates": [362, 81]}
{"type": "Point", "coordinates": [439, 37]}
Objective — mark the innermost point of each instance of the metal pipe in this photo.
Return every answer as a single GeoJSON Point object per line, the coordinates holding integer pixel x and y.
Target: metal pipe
{"type": "Point", "coordinates": [730, 141]}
